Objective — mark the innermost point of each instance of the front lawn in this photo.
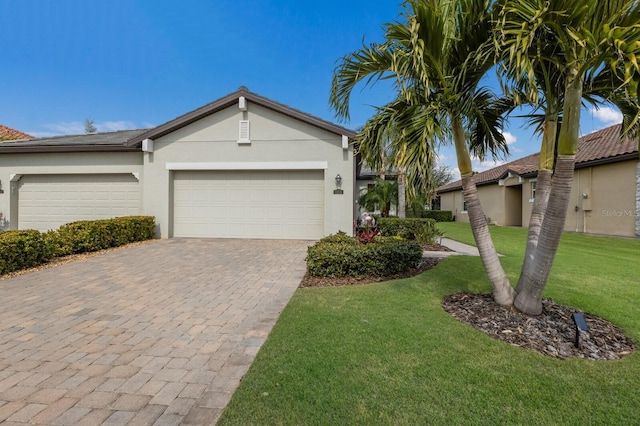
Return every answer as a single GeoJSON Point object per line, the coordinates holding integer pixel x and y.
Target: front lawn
{"type": "Point", "coordinates": [387, 353]}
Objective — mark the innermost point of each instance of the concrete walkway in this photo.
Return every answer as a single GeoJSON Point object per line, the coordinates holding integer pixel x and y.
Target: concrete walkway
{"type": "Point", "coordinates": [457, 247]}
{"type": "Point", "coordinates": [159, 333]}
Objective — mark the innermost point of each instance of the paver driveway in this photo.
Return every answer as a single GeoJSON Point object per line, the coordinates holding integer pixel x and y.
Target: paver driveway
{"type": "Point", "coordinates": [159, 333]}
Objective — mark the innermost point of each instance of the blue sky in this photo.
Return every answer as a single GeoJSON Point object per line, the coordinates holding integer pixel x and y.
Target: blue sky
{"type": "Point", "coordinates": [140, 63]}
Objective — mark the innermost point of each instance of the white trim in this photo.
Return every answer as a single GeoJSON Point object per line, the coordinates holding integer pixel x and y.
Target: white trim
{"type": "Point", "coordinates": [251, 165]}
{"type": "Point", "coordinates": [14, 177]}
{"type": "Point", "coordinates": [136, 175]}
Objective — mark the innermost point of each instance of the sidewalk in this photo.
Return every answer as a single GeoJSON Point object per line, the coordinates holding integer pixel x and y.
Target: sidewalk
{"type": "Point", "coordinates": [457, 247]}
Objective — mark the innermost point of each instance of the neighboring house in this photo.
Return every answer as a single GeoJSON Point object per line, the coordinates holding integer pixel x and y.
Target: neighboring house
{"type": "Point", "coordinates": [243, 166]}
{"type": "Point", "coordinates": [9, 134]}
{"type": "Point", "coordinates": [605, 198]}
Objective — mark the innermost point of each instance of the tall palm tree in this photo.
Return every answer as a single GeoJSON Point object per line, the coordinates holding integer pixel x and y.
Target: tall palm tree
{"type": "Point", "coordinates": [437, 56]}
{"type": "Point", "coordinates": [589, 37]}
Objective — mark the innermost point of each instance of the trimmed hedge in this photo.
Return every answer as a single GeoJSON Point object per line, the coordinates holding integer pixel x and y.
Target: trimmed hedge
{"type": "Point", "coordinates": [93, 235]}
{"type": "Point", "coordinates": [438, 215]}
{"type": "Point", "coordinates": [423, 230]}
{"type": "Point", "coordinates": [23, 249]}
{"type": "Point", "coordinates": [340, 255]}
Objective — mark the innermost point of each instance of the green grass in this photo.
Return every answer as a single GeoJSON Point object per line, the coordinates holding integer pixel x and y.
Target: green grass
{"type": "Point", "coordinates": [387, 353]}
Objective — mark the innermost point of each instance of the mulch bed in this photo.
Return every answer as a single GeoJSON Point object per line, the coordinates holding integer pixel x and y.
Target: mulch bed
{"type": "Point", "coordinates": [551, 333]}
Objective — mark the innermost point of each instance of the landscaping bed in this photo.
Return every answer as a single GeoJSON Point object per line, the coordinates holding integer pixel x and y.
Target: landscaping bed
{"type": "Point", "coordinates": [551, 333]}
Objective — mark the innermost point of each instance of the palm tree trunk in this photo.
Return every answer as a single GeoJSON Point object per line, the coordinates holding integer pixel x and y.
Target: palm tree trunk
{"type": "Point", "coordinates": [503, 293]}
{"type": "Point", "coordinates": [541, 199]}
{"type": "Point", "coordinates": [529, 299]}
{"type": "Point", "coordinates": [402, 197]}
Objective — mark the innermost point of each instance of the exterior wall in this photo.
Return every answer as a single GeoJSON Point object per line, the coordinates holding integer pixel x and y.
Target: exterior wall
{"type": "Point", "coordinates": [527, 201]}
{"type": "Point", "coordinates": [609, 206]}
{"type": "Point", "coordinates": [274, 138]}
{"type": "Point", "coordinates": [492, 198]}
{"type": "Point", "coordinates": [58, 163]}
{"type": "Point", "coordinates": [452, 201]}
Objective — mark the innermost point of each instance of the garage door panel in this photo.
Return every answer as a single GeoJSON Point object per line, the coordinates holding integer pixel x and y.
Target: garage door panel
{"type": "Point", "coordinates": [48, 201]}
{"type": "Point", "coordinates": [249, 204]}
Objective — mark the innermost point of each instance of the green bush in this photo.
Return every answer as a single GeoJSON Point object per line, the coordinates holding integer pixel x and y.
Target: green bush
{"type": "Point", "coordinates": [23, 249]}
{"type": "Point", "coordinates": [438, 215]}
{"type": "Point", "coordinates": [424, 230]}
{"type": "Point", "coordinates": [337, 257]}
{"type": "Point", "coordinates": [94, 235]}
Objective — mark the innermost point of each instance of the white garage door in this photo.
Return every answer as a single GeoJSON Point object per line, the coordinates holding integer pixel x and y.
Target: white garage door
{"type": "Point", "coordinates": [249, 204]}
{"type": "Point", "coordinates": [48, 201]}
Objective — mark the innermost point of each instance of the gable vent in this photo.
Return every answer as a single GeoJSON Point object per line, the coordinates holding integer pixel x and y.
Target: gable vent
{"type": "Point", "coordinates": [243, 136]}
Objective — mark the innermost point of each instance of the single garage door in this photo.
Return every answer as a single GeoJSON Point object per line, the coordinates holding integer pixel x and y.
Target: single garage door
{"type": "Point", "coordinates": [48, 201]}
{"type": "Point", "coordinates": [249, 204]}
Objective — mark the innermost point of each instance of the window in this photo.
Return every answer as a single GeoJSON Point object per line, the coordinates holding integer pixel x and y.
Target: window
{"type": "Point", "coordinates": [464, 205]}
{"type": "Point", "coordinates": [533, 191]}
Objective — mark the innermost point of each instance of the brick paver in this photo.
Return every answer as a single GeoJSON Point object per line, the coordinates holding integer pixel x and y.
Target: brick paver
{"type": "Point", "coordinates": [160, 333]}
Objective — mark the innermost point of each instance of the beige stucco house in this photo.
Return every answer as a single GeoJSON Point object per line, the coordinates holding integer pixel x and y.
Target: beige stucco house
{"type": "Point", "coordinates": [243, 166]}
{"type": "Point", "coordinates": [605, 198]}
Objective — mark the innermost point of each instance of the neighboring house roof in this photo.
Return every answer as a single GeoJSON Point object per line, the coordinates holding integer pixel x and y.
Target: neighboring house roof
{"type": "Point", "coordinates": [232, 99]}
{"type": "Point", "coordinates": [108, 141]}
{"type": "Point", "coordinates": [9, 134]}
{"type": "Point", "coordinates": [601, 147]}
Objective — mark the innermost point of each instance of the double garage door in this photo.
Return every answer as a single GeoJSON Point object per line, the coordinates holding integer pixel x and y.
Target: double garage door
{"type": "Point", "coordinates": [249, 204]}
{"type": "Point", "coordinates": [48, 201]}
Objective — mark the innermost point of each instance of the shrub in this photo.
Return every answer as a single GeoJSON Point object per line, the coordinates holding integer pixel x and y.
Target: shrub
{"type": "Point", "coordinates": [331, 257]}
{"type": "Point", "coordinates": [93, 235]}
{"type": "Point", "coordinates": [424, 230]}
{"type": "Point", "coordinates": [438, 215]}
{"type": "Point", "coordinates": [23, 249]}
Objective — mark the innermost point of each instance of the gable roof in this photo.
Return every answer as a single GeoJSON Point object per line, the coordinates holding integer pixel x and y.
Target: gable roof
{"type": "Point", "coordinates": [9, 134]}
{"type": "Point", "coordinates": [601, 147]}
{"type": "Point", "coordinates": [107, 141]}
{"type": "Point", "coordinates": [233, 99]}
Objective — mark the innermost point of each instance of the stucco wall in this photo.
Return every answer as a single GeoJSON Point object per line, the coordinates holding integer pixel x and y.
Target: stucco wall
{"type": "Point", "coordinates": [58, 163]}
{"type": "Point", "coordinates": [527, 201]}
{"type": "Point", "coordinates": [274, 138]}
{"type": "Point", "coordinates": [609, 206]}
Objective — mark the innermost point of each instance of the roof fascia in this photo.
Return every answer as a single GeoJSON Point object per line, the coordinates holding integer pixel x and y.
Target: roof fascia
{"type": "Point", "coordinates": [66, 148]}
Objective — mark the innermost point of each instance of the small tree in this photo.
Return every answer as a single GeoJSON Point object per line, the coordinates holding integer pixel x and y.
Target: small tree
{"type": "Point", "coordinates": [89, 126]}
{"type": "Point", "coordinates": [382, 194]}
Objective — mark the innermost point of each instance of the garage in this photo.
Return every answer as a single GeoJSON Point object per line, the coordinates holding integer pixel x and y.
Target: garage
{"type": "Point", "coordinates": [48, 201]}
{"type": "Point", "coordinates": [283, 204]}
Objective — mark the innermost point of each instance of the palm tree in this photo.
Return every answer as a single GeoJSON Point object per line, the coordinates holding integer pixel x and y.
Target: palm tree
{"type": "Point", "coordinates": [589, 38]}
{"type": "Point", "coordinates": [437, 57]}
{"type": "Point", "coordinates": [382, 195]}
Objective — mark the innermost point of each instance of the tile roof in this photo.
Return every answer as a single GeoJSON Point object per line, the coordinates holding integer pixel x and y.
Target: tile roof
{"type": "Point", "coordinates": [107, 141]}
{"type": "Point", "coordinates": [603, 146]}
{"type": "Point", "coordinates": [9, 134]}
